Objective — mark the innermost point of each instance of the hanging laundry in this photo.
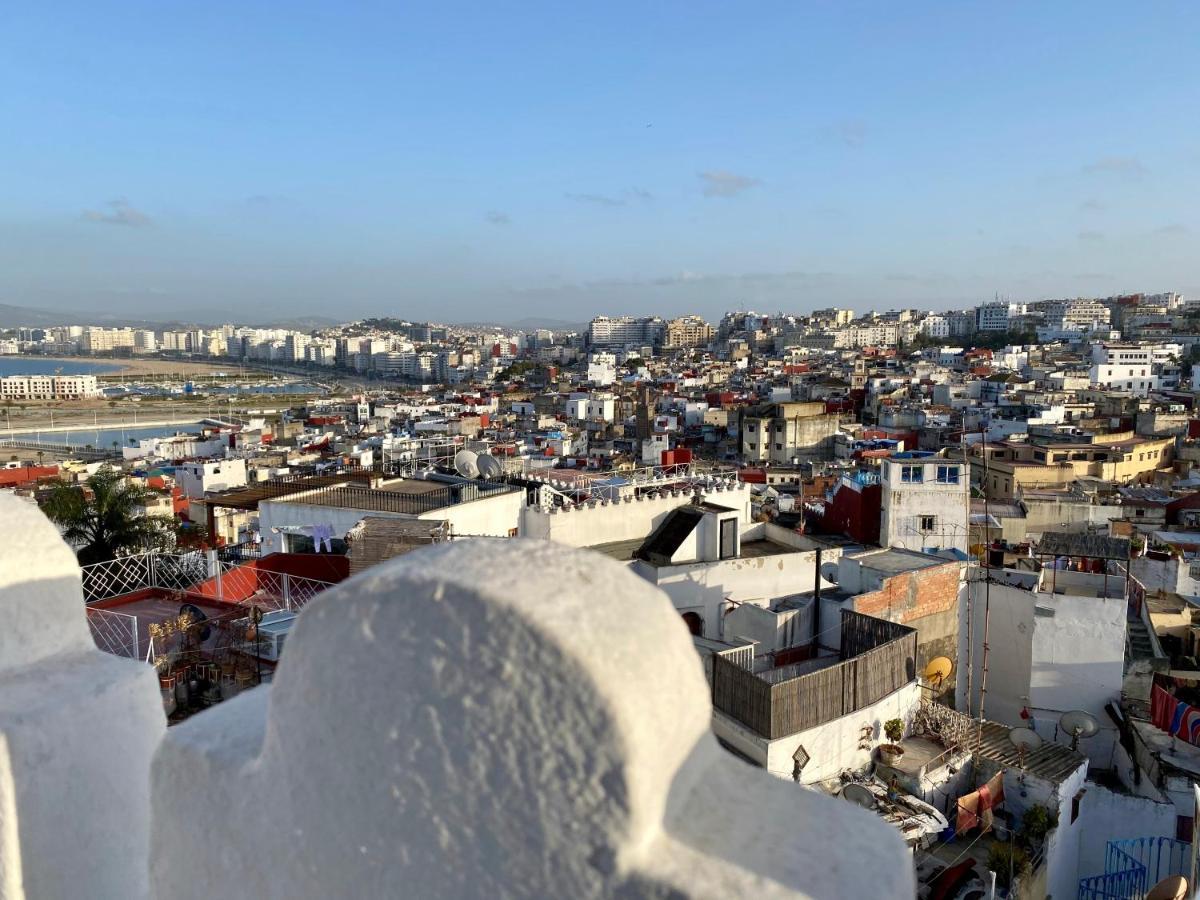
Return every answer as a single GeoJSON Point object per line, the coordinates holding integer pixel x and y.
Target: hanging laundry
{"type": "Point", "coordinates": [975, 808]}
{"type": "Point", "coordinates": [1175, 717]}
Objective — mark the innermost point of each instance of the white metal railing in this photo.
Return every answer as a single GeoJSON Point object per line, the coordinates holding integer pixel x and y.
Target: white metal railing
{"type": "Point", "coordinates": [266, 589]}
{"type": "Point", "coordinates": [118, 633]}
{"type": "Point", "coordinates": [114, 632]}
{"type": "Point", "coordinates": [124, 574]}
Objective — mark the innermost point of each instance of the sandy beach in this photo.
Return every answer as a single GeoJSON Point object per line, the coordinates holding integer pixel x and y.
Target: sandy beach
{"type": "Point", "coordinates": [133, 366]}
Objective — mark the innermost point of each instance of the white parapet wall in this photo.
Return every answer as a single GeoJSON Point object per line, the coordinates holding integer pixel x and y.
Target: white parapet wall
{"type": "Point", "coordinates": [78, 728]}
{"type": "Point", "coordinates": [606, 521]}
{"type": "Point", "coordinates": [478, 719]}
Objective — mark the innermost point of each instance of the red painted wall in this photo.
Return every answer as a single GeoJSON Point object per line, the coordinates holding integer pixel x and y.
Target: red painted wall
{"type": "Point", "coordinates": [855, 513]}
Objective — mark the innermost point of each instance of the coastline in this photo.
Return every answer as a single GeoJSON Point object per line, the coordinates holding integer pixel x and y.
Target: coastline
{"type": "Point", "coordinates": [133, 367]}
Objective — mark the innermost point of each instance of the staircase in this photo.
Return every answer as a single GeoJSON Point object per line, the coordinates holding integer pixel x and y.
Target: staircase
{"type": "Point", "coordinates": [1137, 640]}
{"type": "Point", "coordinates": [1133, 866]}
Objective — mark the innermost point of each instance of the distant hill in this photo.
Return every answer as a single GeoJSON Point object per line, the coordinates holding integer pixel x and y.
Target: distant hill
{"type": "Point", "coordinates": [25, 316]}
{"type": "Point", "coordinates": [529, 324]}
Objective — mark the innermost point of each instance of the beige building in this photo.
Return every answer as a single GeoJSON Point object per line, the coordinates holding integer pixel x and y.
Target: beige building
{"type": "Point", "coordinates": [1007, 468]}
{"type": "Point", "coordinates": [687, 331]}
{"type": "Point", "coordinates": [787, 432]}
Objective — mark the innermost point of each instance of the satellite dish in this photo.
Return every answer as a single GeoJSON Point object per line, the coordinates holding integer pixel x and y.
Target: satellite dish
{"type": "Point", "coordinates": [488, 465]}
{"type": "Point", "coordinates": [1024, 739]}
{"type": "Point", "coordinates": [466, 463]}
{"type": "Point", "coordinates": [1078, 723]}
{"type": "Point", "coordinates": [938, 670]}
{"type": "Point", "coordinates": [859, 795]}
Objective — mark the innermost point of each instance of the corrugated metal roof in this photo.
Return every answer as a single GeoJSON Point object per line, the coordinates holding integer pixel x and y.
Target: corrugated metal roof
{"type": "Point", "coordinates": [1097, 546]}
{"type": "Point", "coordinates": [1051, 761]}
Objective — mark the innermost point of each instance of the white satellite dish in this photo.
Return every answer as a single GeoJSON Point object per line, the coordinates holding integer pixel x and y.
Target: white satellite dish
{"type": "Point", "coordinates": [466, 463]}
{"type": "Point", "coordinates": [1078, 723]}
{"type": "Point", "coordinates": [489, 466]}
{"type": "Point", "coordinates": [1024, 739]}
{"type": "Point", "coordinates": [859, 795]}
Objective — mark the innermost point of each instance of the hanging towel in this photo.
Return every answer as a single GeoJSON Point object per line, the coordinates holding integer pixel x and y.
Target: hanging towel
{"type": "Point", "coordinates": [968, 813]}
{"type": "Point", "coordinates": [995, 787]}
{"type": "Point", "coordinates": [1162, 704]}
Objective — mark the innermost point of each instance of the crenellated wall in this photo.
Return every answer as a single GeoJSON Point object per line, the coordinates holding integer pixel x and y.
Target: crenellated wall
{"type": "Point", "coordinates": [607, 521]}
{"type": "Point", "coordinates": [481, 718]}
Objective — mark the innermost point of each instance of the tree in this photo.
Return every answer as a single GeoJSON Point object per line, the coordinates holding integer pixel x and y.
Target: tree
{"type": "Point", "coordinates": [104, 517]}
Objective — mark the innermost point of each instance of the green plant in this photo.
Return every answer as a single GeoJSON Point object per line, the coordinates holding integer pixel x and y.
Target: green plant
{"type": "Point", "coordinates": [1037, 822]}
{"type": "Point", "coordinates": [104, 517]}
{"type": "Point", "coordinates": [1009, 862]}
{"type": "Point", "coordinates": [894, 729]}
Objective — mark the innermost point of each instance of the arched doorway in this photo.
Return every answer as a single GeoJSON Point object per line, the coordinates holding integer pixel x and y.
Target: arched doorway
{"type": "Point", "coordinates": [694, 623]}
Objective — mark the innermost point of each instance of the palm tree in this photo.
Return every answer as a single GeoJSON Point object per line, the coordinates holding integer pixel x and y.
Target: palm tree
{"type": "Point", "coordinates": [103, 518]}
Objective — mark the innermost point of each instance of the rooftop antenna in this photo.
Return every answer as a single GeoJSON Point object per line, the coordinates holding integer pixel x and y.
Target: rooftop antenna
{"type": "Point", "coordinates": [1024, 739]}
{"type": "Point", "coordinates": [466, 463]}
{"type": "Point", "coordinates": [936, 671]}
{"type": "Point", "coordinates": [1078, 723]}
{"type": "Point", "coordinates": [488, 466]}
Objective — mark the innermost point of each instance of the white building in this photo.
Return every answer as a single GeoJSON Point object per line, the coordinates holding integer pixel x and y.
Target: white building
{"type": "Point", "coordinates": [48, 387]}
{"type": "Point", "coordinates": [1057, 639]}
{"type": "Point", "coordinates": [924, 503]}
{"type": "Point", "coordinates": [624, 331]}
{"type": "Point", "coordinates": [1138, 368]}
{"type": "Point", "coordinates": [602, 369]}
{"type": "Point", "coordinates": [198, 479]}
{"type": "Point", "coordinates": [995, 316]}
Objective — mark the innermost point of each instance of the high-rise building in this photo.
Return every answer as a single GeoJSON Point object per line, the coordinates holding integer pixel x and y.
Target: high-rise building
{"type": "Point", "coordinates": [687, 331]}
{"type": "Point", "coordinates": [605, 331]}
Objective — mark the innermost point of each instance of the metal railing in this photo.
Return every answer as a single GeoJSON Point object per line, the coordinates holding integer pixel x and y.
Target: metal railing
{"type": "Point", "coordinates": [125, 574]}
{"type": "Point", "coordinates": [243, 552]}
{"type": "Point", "coordinates": [1133, 866]}
{"type": "Point", "coordinates": [114, 632]}
{"type": "Point", "coordinates": [119, 633]}
{"type": "Point", "coordinates": [266, 589]}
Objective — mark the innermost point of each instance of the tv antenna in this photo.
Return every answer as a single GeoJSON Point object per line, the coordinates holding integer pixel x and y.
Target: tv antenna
{"type": "Point", "coordinates": [1078, 723]}
{"type": "Point", "coordinates": [1024, 739]}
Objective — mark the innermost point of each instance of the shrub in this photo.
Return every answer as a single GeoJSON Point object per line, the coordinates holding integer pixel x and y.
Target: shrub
{"type": "Point", "coordinates": [1037, 822]}
{"type": "Point", "coordinates": [894, 729]}
{"type": "Point", "coordinates": [1009, 862]}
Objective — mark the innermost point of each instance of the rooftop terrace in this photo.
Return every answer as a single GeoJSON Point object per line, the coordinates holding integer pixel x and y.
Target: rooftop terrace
{"type": "Point", "coordinates": [566, 752]}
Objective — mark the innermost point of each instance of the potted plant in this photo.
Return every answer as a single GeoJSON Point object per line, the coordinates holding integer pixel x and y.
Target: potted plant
{"type": "Point", "coordinates": [891, 752]}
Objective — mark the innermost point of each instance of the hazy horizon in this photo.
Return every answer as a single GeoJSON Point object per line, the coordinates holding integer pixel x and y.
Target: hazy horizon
{"type": "Point", "coordinates": [465, 164]}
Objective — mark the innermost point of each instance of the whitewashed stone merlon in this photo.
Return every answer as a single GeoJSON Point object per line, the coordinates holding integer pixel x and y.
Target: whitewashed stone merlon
{"type": "Point", "coordinates": [78, 728]}
{"type": "Point", "coordinates": [493, 719]}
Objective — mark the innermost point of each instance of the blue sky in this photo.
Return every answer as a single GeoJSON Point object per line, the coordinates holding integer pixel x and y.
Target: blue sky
{"type": "Point", "coordinates": [465, 161]}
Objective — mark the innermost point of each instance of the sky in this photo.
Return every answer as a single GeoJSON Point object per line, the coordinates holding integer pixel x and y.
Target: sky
{"type": "Point", "coordinates": [488, 161]}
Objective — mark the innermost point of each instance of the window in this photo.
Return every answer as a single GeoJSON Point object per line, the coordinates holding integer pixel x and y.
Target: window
{"type": "Point", "coordinates": [779, 446]}
{"type": "Point", "coordinates": [1183, 828]}
{"type": "Point", "coordinates": [303, 543]}
{"type": "Point", "coordinates": [928, 524]}
{"type": "Point", "coordinates": [947, 474]}
{"type": "Point", "coordinates": [912, 474]}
